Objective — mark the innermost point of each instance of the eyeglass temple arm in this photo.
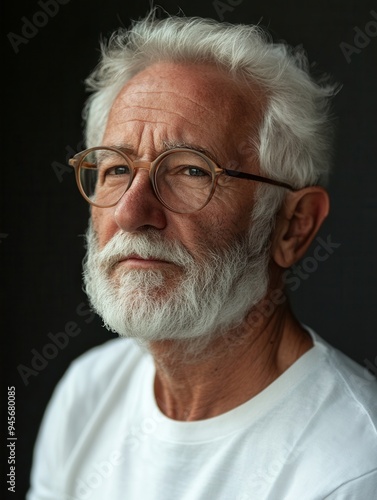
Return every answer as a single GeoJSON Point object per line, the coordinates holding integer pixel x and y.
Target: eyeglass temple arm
{"type": "Point", "coordinates": [73, 162]}
{"type": "Point", "coordinates": [253, 177]}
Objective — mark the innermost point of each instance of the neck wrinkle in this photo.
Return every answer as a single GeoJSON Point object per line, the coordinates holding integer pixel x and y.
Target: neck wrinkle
{"type": "Point", "coordinates": [233, 369]}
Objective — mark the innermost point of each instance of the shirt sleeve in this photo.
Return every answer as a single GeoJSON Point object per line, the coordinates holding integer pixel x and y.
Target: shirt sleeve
{"type": "Point", "coordinates": [67, 413]}
{"type": "Point", "coordinates": [361, 488]}
{"type": "Point", "coordinates": [44, 466]}
{"type": "Point", "coordinates": [53, 440]}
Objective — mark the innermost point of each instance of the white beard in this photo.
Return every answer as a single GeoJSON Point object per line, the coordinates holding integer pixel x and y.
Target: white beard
{"type": "Point", "coordinates": [201, 299]}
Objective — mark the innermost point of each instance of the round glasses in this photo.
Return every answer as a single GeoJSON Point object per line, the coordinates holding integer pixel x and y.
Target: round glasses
{"type": "Point", "coordinates": [183, 179]}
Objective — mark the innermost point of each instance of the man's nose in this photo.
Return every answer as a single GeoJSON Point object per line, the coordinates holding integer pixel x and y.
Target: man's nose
{"type": "Point", "coordinates": [139, 205]}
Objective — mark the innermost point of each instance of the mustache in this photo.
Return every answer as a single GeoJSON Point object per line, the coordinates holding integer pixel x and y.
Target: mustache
{"type": "Point", "coordinates": [146, 245]}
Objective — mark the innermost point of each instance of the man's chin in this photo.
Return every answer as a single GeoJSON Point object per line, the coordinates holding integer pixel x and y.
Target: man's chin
{"type": "Point", "coordinates": [129, 281]}
{"type": "Point", "coordinates": [175, 345]}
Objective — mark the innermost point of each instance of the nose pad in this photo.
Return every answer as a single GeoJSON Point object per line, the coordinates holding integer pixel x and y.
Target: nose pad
{"type": "Point", "coordinates": [142, 164]}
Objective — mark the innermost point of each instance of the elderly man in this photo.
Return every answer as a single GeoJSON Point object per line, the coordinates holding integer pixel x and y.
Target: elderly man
{"type": "Point", "coordinates": [206, 146]}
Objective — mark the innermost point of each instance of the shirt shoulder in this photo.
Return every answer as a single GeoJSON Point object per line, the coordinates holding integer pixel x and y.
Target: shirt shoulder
{"type": "Point", "coordinates": [104, 360]}
{"type": "Point", "coordinates": [89, 379]}
{"type": "Point", "coordinates": [94, 374]}
{"type": "Point", "coordinates": [84, 387]}
{"type": "Point", "coordinates": [351, 380]}
{"type": "Point", "coordinates": [341, 419]}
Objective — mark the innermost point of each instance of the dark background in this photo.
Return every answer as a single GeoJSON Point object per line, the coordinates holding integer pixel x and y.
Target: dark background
{"type": "Point", "coordinates": [43, 215]}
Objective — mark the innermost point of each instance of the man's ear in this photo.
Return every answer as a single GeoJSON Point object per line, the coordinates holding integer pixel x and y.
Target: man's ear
{"type": "Point", "coordinates": [297, 223]}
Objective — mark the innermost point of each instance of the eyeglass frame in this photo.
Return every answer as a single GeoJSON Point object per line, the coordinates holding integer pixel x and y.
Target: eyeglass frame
{"type": "Point", "coordinates": [77, 160]}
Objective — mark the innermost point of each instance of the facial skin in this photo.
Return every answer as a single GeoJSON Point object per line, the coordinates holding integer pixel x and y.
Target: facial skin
{"type": "Point", "coordinates": [141, 288]}
{"type": "Point", "coordinates": [177, 104]}
{"type": "Point", "coordinates": [199, 106]}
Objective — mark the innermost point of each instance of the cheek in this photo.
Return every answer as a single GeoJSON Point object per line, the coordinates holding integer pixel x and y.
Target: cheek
{"type": "Point", "coordinates": [235, 192]}
{"type": "Point", "coordinates": [230, 212]}
{"type": "Point", "coordinates": [218, 224]}
{"type": "Point", "coordinates": [212, 230]}
{"type": "Point", "coordinates": [103, 224]}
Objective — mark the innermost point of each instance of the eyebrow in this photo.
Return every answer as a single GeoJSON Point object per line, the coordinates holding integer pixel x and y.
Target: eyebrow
{"type": "Point", "coordinates": [125, 148]}
{"type": "Point", "coordinates": [195, 147]}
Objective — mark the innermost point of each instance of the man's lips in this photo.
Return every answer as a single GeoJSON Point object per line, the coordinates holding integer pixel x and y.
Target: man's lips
{"type": "Point", "coordinates": [137, 261]}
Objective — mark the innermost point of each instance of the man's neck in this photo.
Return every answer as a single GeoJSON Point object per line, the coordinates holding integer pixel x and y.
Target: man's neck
{"type": "Point", "coordinates": [232, 370]}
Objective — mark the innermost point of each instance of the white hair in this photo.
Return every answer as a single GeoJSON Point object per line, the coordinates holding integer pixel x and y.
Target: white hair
{"type": "Point", "coordinates": [293, 141]}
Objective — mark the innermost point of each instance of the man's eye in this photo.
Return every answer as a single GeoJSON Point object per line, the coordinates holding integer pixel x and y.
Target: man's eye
{"type": "Point", "coordinates": [194, 171]}
{"type": "Point", "coordinates": [117, 170]}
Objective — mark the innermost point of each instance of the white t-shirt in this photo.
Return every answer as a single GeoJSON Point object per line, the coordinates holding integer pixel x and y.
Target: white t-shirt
{"type": "Point", "coordinates": [310, 435]}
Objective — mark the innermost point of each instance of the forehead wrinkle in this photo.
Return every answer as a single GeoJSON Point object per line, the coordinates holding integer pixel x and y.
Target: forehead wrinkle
{"type": "Point", "coordinates": [131, 120]}
{"type": "Point", "coordinates": [166, 145]}
{"type": "Point", "coordinates": [137, 106]}
{"type": "Point", "coordinates": [171, 93]}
